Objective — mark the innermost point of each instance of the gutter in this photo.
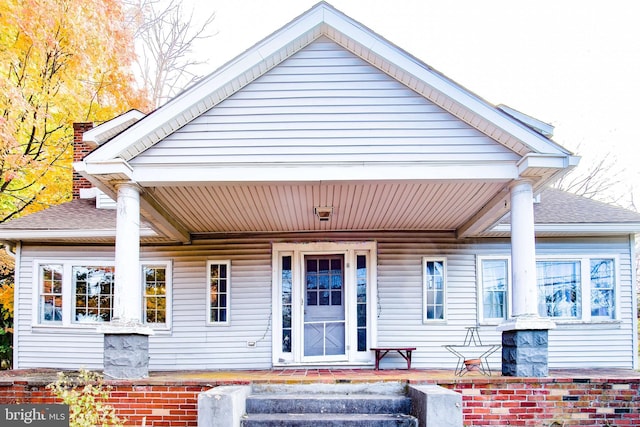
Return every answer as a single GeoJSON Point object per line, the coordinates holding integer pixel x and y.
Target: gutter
{"type": "Point", "coordinates": [10, 248]}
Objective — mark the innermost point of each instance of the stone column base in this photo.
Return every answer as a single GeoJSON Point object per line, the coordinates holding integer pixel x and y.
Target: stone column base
{"type": "Point", "coordinates": [525, 353]}
{"type": "Point", "coordinates": [126, 355]}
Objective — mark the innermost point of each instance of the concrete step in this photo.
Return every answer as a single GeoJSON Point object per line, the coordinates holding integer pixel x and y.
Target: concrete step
{"type": "Point", "coordinates": [327, 403]}
{"type": "Point", "coordinates": [329, 420]}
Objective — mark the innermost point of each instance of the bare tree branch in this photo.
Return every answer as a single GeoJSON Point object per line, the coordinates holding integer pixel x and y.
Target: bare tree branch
{"type": "Point", "coordinates": [166, 37]}
{"type": "Point", "coordinates": [601, 180]}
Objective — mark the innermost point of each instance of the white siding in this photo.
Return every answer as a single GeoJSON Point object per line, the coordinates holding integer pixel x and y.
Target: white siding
{"type": "Point", "coordinates": [325, 104]}
{"type": "Point", "coordinates": [192, 344]}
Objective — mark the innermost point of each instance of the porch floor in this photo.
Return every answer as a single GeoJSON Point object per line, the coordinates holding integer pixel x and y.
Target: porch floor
{"type": "Point", "coordinates": [301, 375]}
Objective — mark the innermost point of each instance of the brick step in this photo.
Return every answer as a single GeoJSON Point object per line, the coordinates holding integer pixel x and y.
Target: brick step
{"type": "Point", "coordinates": [328, 403]}
{"type": "Point", "coordinates": [329, 420]}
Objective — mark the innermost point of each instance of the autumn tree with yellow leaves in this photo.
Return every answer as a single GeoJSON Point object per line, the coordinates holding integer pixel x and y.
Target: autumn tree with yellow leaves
{"type": "Point", "coordinates": [60, 61]}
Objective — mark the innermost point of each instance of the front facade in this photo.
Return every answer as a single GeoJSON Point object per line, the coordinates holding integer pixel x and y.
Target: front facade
{"type": "Point", "coordinates": [322, 194]}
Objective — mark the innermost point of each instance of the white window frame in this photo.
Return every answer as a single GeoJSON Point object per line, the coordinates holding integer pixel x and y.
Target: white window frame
{"type": "Point", "coordinates": [68, 294]}
{"type": "Point", "coordinates": [211, 262]}
{"type": "Point", "coordinates": [74, 296]}
{"type": "Point", "coordinates": [585, 287]}
{"type": "Point", "coordinates": [38, 318]}
{"type": "Point", "coordinates": [480, 299]}
{"type": "Point", "coordinates": [443, 260]}
{"type": "Point", "coordinates": [168, 265]}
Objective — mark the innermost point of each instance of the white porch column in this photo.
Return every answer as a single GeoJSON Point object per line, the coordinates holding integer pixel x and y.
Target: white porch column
{"type": "Point", "coordinates": [127, 298]}
{"type": "Point", "coordinates": [126, 338]}
{"type": "Point", "coordinates": [523, 251]}
{"type": "Point", "coordinates": [525, 335]}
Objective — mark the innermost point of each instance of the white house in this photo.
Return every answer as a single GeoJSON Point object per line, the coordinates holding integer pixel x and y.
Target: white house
{"type": "Point", "coordinates": [322, 194]}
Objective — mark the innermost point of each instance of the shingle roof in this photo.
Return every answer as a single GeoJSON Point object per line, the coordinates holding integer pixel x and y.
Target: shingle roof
{"type": "Point", "coordinates": [77, 220]}
{"type": "Point", "coordinates": [561, 207]}
{"type": "Point", "coordinates": [79, 214]}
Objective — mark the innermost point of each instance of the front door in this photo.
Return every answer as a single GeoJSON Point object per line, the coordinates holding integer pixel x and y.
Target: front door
{"type": "Point", "coordinates": [324, 310]}
{"type": "Point", "coordinates": [324, 307]}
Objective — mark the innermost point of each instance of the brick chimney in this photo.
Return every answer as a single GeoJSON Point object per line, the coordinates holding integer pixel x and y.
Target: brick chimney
{"type": "Point", "coordinates": [80, 150]}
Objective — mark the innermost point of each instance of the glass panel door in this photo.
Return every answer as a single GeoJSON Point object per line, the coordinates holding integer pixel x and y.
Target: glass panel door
{"type": "Point", "coordinates": [324, 312]}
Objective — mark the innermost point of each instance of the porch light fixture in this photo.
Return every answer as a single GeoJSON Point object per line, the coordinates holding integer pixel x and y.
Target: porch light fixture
{"type": "Point", "coordinates": [323, 212]}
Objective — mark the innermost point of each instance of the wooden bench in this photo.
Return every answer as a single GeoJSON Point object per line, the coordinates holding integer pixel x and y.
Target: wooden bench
{"type": "Point", "coordinates": [381, 352]}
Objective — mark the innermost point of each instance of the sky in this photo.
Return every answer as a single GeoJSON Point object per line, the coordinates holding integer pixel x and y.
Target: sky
{"type": "Point", "coordinates": [573, 63]}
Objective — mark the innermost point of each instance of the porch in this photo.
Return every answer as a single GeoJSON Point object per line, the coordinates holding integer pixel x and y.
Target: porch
{"type": "Point", "coordinates": [567, 397]}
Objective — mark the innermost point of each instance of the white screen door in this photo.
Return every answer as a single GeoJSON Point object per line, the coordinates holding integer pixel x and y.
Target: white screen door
{"type": "Point", "coordinates": [324, 312]}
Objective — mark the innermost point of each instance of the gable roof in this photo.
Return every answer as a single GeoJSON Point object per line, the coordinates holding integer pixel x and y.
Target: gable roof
{"type": "Point", "coordinates": [324, 20]}
{"type": "Point", "coordinates": [172, 174]}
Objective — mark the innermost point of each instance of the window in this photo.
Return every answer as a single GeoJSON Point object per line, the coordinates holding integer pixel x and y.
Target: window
{"type": "Point", "coordinates": [559, 289]}
{"type": "Point", "coordinates": [218, 293]}
{"type": "Point", "coordinates": [156, 293]}
{"type": "Point", "coordinates": [324, 281]}
{"type": "Point", "coordinates": [434, 288]}
{"type": "Point", "coordinates": [580, 289]}
{"type": "Point", "coordinates": [287, 299]}
{"type": "Point", "coordinates": [50, 299]}
{"type": "Point", "coordinates": [93, 292]}
{"type": "Point", "coordinates": [603, 289]}
{"type": "Point", "coordinates": [569, 288]}
{"type": "Point", "coordinates": [361, 300]}
{"type": "Point", "coordinates": [494, 278]}
{"type": "Point", "coordinates": [72, 293]}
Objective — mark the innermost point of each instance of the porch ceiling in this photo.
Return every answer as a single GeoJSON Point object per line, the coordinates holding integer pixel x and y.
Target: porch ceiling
{"type": "Point", "coordinates": [283, 207]}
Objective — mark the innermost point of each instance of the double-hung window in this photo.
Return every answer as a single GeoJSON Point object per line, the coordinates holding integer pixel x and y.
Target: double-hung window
{"type": "Point", "coordinates": [50, 298]}
{"type": "Point", "coordinates": [218, 292]}
{"type": "Point", "coordinates": [156, 280]}
{"type": "Point", "coordinates": [434, 288]}
{"type": "Point", "coordinates": [494, 277]}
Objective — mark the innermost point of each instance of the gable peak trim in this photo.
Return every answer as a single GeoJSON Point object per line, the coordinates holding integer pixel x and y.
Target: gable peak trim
{"type": "Point", "coordinates": [325, 20]}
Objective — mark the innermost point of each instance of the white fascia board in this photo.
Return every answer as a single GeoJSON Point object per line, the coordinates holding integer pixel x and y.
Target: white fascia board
{"type": "Point", "coordinates": [192, 174]}
{"type": "Point", "coordinates": [107, 167]}
{"type": "Point", "coordinates": [547, 161]}
{"type": "Point", "coordinates": [582, 228]}
{"type": "Point", "coordinates": [99, 134]}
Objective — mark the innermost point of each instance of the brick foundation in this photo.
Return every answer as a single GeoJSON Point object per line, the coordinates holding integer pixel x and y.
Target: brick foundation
{"type": "Point", "coordinates": [174, 405]}
{"type": "Point", "coordinates": [549, 402]}
{"type": "Point", "coordinates": [498, 401]}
